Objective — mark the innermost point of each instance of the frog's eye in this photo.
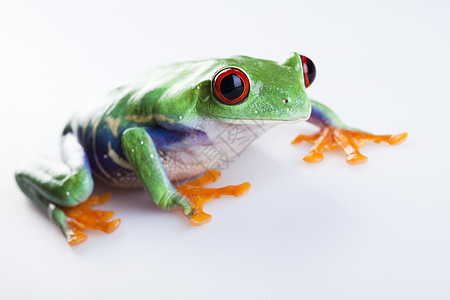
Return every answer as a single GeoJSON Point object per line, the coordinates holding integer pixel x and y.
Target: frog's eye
{"type": "Point", "coordinates": [309, 70]}
{"type": "Point", "coordinates": [231, 86]}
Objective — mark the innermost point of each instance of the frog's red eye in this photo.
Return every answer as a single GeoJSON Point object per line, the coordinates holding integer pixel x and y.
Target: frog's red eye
{"type": "Point", "coordinates": [231, 86]}
{"type": "Point", "coordinates": [309, 70]}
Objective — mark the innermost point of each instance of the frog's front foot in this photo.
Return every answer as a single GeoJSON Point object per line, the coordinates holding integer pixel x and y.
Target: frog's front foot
{"type": "Point", "coordinates": [199, 195]}
{"type": "Point", "coordinates": [349, 140]}
{"type": "Point", "coordinates": [82, 216]}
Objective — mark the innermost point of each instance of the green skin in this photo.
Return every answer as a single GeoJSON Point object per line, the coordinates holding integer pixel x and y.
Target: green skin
{"type": "Point", "coordinates": [176, 98]}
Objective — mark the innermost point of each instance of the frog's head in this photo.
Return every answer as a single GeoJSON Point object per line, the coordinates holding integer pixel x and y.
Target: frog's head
{"type": "Point", "coordinates": [246, 88]}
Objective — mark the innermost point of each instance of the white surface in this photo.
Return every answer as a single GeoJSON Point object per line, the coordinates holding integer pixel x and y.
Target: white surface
{"type": "Point", "coordinates": [326, 231]}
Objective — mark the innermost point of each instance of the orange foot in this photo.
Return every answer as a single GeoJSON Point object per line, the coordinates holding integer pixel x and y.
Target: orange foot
{"type": "Point", "coordinates": [198, 195]}
{"type": "Point", "coordinates": [82, 216]}
{"type": "Point", "coordinates": [329, 137]}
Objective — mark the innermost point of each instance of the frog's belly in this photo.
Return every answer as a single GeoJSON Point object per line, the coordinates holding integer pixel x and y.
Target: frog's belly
{"type": "Point", "coordinates": [183, 167]}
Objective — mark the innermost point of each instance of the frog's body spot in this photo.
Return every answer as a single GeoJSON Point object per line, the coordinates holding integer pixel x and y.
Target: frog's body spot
{"type": "Point", "coordinates": [256, 89]}
{"type": "Point", "coordinates": [95, 152]}
{"type": "Point", "coordinates": [117, 159]}
{"type": "Point", "coordinates": [51, 207]}
{"type": "Point", "coordinates": [113, 125]}
{"type": "Point", "coordinates": [148, 118]}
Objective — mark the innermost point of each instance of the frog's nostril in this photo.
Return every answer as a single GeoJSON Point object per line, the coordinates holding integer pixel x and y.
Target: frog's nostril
{"type": "Point", "coordinates": [285, 101]}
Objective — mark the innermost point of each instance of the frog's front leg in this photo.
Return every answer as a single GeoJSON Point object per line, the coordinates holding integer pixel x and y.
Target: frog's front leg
{"type": "Point", "coordinates": [334, 133]}
{"type": "Point", "coordinates": [63, 190]}
{"type": "Point", "coordinates": [143, 156]}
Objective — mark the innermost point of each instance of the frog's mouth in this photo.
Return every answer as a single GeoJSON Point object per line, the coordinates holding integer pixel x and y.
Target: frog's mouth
{"type": "Point", "coordinates": [266, 113]}
{"type": "Point", "coordinates": [261, 121]}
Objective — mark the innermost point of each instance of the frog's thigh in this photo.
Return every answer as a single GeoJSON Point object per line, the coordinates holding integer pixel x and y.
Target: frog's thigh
{"type": "Point", "coordinates": [45, 180]}
{"type": "Point", "coordinates": [48, 181]}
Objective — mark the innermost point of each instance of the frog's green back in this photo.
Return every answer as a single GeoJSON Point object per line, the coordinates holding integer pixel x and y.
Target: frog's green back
{"type": "Point", "coordinates": [182, 93]}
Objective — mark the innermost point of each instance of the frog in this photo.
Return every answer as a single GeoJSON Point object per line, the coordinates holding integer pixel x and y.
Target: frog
{"type": "Point", "coordinates": [167, 131]}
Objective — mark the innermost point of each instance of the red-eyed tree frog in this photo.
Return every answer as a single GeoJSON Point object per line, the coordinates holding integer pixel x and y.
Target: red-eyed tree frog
{"type": "Point", "coordinates": [167, 131]}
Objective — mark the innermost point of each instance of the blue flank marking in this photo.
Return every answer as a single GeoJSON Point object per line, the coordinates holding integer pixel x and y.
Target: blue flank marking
{"type": "Point", "coordinates": [162, 138]}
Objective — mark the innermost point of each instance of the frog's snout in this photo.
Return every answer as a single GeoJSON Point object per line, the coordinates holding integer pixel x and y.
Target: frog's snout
{"type": "Point", "coordinates": [309, 70]}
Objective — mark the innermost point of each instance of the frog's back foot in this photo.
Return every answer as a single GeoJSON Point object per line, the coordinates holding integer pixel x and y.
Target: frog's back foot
{"type": "Point", "coordinates": [64, 193]}
{"type": "Point", "coordinates": [82, 216]}
{"type": "Point", "coordinates": [57, 185]}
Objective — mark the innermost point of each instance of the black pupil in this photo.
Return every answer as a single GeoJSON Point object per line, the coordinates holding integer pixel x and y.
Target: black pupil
{"type": "Point", "coordinates": [231, 87]}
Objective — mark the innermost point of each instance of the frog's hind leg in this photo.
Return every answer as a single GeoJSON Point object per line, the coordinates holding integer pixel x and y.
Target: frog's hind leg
{"type": "Point", "coordinates": [199, 195]}
{"type": "Point", "coordinates": [63, 189]}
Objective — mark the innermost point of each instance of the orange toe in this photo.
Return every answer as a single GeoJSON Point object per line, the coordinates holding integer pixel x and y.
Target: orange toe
{"type": "Point", "coordinates": [356, 158]}
{"type": "Point", "coordinates": [199, 218]}
{"type": "Point", "coordinates": [313, 157]}
{"type": "Point", "coordinates": [398, 138]}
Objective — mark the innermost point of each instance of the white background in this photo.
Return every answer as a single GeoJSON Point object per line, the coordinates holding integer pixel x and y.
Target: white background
{"type": "Point", "coordinates": [327, 231]}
